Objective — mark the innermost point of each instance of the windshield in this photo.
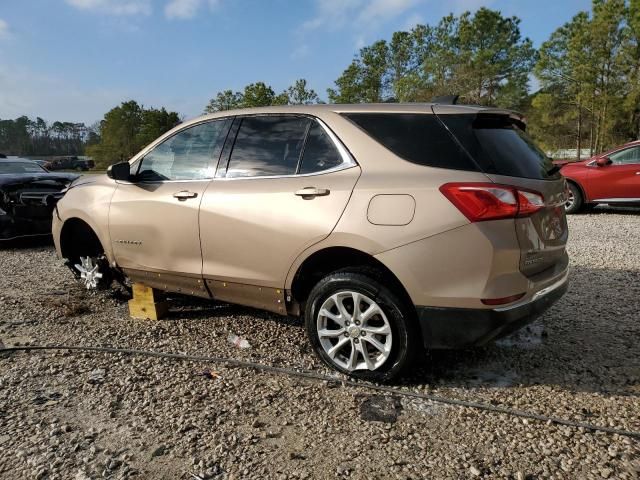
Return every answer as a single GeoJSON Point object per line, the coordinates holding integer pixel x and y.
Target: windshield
{"type": "Point", "coordinates": [10, 167]}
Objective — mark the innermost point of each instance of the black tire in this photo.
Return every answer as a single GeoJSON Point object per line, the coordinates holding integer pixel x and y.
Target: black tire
{"type": "Point", "coordinates": [578, 201]}
{"type": "Point", "coordinates": [405, 336]}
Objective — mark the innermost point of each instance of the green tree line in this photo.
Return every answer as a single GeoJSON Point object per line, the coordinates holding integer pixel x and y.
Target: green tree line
{"type": "Point", "coordinates": [588, 73]}
{"type": "Point", "coordinates": [25, 137]}
{"type": "Point", "coordinates": [126, 129]}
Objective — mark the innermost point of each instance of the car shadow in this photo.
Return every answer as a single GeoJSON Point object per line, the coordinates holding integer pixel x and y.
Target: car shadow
{"type": "Point", "coordinates": [587, 341]}
{"type": "Point", "coordinates": [613, 209]}
{"type": "Point", "coordinates": [25, 243]}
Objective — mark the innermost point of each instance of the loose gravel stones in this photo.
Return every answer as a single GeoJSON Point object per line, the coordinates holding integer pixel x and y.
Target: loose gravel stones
{"type": "Point", "coordinates": [67, 415]}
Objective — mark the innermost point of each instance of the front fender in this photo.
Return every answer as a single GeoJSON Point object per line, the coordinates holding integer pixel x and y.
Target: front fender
{"type": "Point", "coordinates": [90, 203]}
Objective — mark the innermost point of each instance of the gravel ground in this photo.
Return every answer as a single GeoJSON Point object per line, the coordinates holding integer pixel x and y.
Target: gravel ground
{"type": "Point", "coordinates": [90, 415]}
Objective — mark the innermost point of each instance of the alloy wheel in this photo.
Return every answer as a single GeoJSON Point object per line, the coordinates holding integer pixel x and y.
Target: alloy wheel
{"type": "Point", "coordinates": [354, 331]}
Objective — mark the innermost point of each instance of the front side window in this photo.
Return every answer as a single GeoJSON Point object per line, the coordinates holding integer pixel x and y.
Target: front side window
{"type": "Point", "coordinates": [627, 156]}
{"type": "Point", "coordinates": [190, 154]}
{"type": "Point", "coordinates": [268, 146]}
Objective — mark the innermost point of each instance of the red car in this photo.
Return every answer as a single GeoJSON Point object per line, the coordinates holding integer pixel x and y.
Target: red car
{"type": "Point", "coordinates": [612, 177]}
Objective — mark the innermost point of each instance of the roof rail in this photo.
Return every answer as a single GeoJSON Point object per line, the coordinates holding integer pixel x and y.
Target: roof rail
{"type": "Point", "coordinates": [446, 99]}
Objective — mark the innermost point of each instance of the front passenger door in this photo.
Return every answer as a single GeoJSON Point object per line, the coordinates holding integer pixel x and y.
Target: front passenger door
{"type": "Point", "coordinates": [153, 220]}
{"type": "Point", "coordinates": [619, 181]}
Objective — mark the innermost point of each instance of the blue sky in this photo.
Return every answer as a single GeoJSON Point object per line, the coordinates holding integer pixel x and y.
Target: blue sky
{"type": "Point", "coordinates": [73, 60]}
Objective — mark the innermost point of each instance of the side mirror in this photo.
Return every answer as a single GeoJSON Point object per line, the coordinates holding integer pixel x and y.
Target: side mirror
{"type": "Point", "coordinates": [603, 161]}
{"type": "Point", "coordinates": [119, 171]}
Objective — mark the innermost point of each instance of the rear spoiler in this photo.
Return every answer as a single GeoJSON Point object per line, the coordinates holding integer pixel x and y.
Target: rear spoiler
{"type": "Point", "coordinates": [517, 118]}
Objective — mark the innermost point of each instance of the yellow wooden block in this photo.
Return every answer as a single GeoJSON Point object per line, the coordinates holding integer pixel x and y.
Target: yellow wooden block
{"type": "Point", "coordinates": [144, 304]}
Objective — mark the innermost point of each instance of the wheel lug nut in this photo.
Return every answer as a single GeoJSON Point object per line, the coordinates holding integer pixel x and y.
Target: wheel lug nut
{"type": "Point", "coordinates": [357, 322]}
{"type": "Point", "coordinates": [363, 333]}
{"type": "Point", "coordinates": [356, 340]}
{"type": "Point", "coordinates": [346, 334]}
{"type": "Point", "coordinates": [346, 323]}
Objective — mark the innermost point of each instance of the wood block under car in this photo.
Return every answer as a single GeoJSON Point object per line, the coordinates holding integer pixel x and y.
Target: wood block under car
{"type": "Point", "coordinates": [144, 303]}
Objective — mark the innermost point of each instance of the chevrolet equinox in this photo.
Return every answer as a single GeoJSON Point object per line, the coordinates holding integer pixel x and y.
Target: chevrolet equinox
{"type": "Point", "coordinates": [388, 228]}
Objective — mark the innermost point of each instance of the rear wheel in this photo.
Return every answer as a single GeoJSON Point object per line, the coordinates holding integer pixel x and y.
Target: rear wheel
{"type": "Point", "coordinates": [575, 201]}
{"type": "Point", "coordinates": [358, 326]}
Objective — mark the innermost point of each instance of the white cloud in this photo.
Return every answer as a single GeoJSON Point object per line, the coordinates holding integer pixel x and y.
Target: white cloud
{"type": "Point", "coordinates": [114, 7]}
{"type": "Point", "coordinates": [4, 28]}
{"type": "Point", "coordinates": [186, 9]}
{"type": "Point", "coordinates": [381, 10]}
{"type": "Point", "coordinates": [300, 52]}
{"type": "Point", "coordinates": [362, 15]}
{"type": "Point", "coordinates": [181, 8]}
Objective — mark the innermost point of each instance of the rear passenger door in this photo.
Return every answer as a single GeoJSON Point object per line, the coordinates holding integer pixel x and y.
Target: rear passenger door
{"type": "Point", "coordinates": [280, 188]}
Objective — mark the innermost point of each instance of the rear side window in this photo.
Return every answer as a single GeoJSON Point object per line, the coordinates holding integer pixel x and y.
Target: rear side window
{"type": "Point", "coordinates": [268, 145]}
{"type": "Point", "coordinates": [500, 147]}
{"type": "Point", "coordinates": [417, 138]}
{"type": "Point", "coordinates": [319, 152]}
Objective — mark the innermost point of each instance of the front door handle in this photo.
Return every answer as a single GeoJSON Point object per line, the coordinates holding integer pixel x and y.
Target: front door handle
{"type": "Point", "coordinates": [311, 192]}
{"type": "Point", "coordinates": [184, 194]}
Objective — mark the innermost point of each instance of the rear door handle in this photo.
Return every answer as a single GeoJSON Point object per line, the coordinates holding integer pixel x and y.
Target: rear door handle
{"type": "Point", "coordinates": [184, 194]}
{"type": "Point", "coordinates": [311, 192]}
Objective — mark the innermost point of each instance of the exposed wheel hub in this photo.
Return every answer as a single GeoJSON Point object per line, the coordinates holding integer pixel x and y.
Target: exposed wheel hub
{"type": "Point", "coordinates": [89, 274]}
{"type": "Point", "coordinates": [354, 332]}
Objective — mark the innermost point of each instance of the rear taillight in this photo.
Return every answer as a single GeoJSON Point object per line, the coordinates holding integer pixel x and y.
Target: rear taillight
{"type": "Point", "coordinates": [489, 201]}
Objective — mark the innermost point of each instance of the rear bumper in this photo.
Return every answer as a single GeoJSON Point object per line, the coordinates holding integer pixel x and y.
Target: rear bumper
{"type": "Point", "coordinates": [466, 327]}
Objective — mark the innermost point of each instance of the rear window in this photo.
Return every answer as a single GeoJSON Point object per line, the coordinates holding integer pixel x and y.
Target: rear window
{"type": "Point", "coordinates": [417, 138]}
{"type": "Point", "coordinates": [492, 144]}
{"type": "Point", "coordinates": [500, 147]}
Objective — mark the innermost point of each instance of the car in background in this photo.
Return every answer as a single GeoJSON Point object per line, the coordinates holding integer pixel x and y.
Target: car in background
{"type": "Point", "coordinates": [70, 163]}
{"type": "Point", "coordinates": [28, 193]}
{"type": "Point", "coordinates": [611, 178]}
{"type": "Point", "coordinates": [388, 227]}
{"type": "Point", "coordinates": [42, 163]}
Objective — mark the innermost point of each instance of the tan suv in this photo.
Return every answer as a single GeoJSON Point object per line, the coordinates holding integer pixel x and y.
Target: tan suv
{"type": "Point", "coordinates": [388, 227]}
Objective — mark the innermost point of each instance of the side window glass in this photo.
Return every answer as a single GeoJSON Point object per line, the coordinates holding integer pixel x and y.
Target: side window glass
{"type": "Point", "coordinates": [268, 145]}
{"type": "Point", "coordinates": [624, 157]}
{"type": "Point", "coordinates": [190, 154]}
{"type": "Point", "coordinates": [320, 153]}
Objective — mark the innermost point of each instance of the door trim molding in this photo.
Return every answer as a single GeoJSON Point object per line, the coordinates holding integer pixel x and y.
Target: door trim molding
{"type": "Point", "coordinates": [169, 282]}
{"type": "Point", "coordinates": [264, 298]}
{"type": "Point", "coordinates": [616, 200]}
